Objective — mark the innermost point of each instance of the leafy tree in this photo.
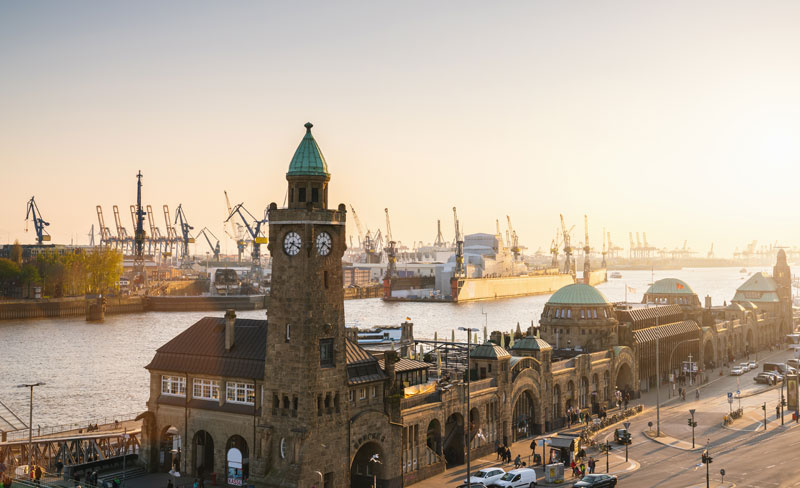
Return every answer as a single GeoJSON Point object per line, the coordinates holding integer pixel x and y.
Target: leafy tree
{"type": "Point", "coordinates": [16, 253]}
{"type": "Point", "coordinates": [29, 275]}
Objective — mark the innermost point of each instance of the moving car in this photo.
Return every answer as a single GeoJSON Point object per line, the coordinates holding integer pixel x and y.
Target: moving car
{"type": "Point", "coordinates": [751, 365]}
{"type": "Point", "coordinates": [597, 480]}
{"type": "Point", "coordinates": [622, 436]}
{"type": "Point", "coordinates": [766, 378]}
{"type": "Point", "coordinates": [737, 371]}
{"type": "Point", "coordinates": [487, 476]}
{"type": "Point", "coordinates": [794, 363]}
{"type": "Point", "coordinates": [745, 367]}
{"type": "Point", "coordinates": [518, 478]}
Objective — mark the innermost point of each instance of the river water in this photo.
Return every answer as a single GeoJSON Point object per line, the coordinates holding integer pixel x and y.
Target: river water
{"type": "Point", "coordinates": [97, 370]}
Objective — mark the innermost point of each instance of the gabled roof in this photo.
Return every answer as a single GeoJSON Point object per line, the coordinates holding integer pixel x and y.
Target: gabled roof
{"type": "Point", "coordinates": [308, 159]}
{"type": "Point", "coordinates": [362, 367]}
{"type": "Point", "coordinates": [489, 350]}
{"type": "Point", "coordinates": [760, 281]}
{"type": "Point", "coordinates": [670, 286]}
{"type": "Point", "coordinates": [649, 334]}
{"type": "Point", "coordinates": [578, 294]}
{"type": "Point", "coordinates": [200, 349]}
{"type": "Point", "coordinates": [405, 364]}
{"type": "Point", "coordinates": [531, 343]}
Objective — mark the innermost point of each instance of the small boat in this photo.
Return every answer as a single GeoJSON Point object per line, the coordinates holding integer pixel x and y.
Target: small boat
{"type": "Point", "coordinates": [615, 274]}
{"type": "Point", "coordinates": [743, 270]}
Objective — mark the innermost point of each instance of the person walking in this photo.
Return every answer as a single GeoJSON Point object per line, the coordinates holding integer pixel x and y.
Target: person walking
{"type": "Point", "coordinates": [697, 394]}
{"type": "Point", "coordinates": [59, 467]}
{"type": "Point", "coordinates": [508, 455]}
{"type": "Point", "coordinates": [500, 451]}
{"type": "Point", "coordinates": [583, 469]}
{"type": "Point", "coordinates": [517, 461]}
{"type": "Point", "coordinates": [37, 475]}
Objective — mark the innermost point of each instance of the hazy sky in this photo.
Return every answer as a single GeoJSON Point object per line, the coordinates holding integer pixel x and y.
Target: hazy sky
{"type": "Point", "coordinates": [675, 118]}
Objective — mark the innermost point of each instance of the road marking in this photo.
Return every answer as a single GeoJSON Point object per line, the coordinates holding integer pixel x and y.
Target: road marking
{"type": "Point", "coordinates": [771, 466]}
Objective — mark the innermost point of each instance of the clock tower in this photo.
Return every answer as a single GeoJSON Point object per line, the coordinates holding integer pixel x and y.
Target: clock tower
{"type": "Point", "coordinates": [305, 409]}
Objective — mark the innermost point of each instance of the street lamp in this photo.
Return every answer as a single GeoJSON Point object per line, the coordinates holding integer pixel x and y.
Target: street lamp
{"type": "Point", "coordinates": [627, 440]}
{"type": "Point", "coordinates": [30, 420]}
{"type": "Point", "coordinates": [693, 424]}
{"type": "Point", "coordinates": [469, 332]}
{"type": "Point", "coordinates": [669, 364]}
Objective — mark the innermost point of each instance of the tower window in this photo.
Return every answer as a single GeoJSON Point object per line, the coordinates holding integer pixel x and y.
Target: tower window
{"type": "Point", "coordinates": [291, 195]}
{"type": "Point", "coordinates": [301, 195]}
{"type": "Point", "coordinates": [288, 332]}
{"type": "Point", "coordinates": [314, 195]}
{"type": "Point", "coordinates": [326, 353]}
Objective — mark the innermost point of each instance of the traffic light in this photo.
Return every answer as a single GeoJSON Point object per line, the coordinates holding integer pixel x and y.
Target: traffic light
{"type": "Point", "coordinates": [706, 458]}
{"type": "Point", "coordinates": [764, 407]}
{"type": "Point", "coordinates": [690, 422]}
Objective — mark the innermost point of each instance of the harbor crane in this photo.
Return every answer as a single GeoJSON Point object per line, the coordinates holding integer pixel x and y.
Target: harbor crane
{"type": "Point", "coordinates": [91, 237]}
{"type": "Point", "coordinates": [460, 271]}
{"type": "Point", "coordinates": [554, 244]}
{"type": "Point", "coordinates": [439, 242]}
{"type": "Point", "coordinates": [710, 254]}
{"type": "Point", "coordinates": [172, 236]}
{"type": "Point", "coordinates": [254, 229]}
{"type": "Point", "coordinates": [122, 234]}
{"type": "Point", "coordinates": [139, 237]}
{"type": "Point", "coordinates": [569, 263]}
{"type": "Point", "coordinates": [186, 238]}
{"type": "Point", "coordinates": [205, 231]}
{"type": "Point", "coordinates": [38, 222]}
{"type": "Point", "coordinates": [390, 250]}
{"type": "Point", "coordinates": [587, 265]}
{"type": "Point", "coordinates": [514, 239]}
{"type": "Point", "coordinates": [603, 264]}
{"type": "Point", "coordinates": [237, 231]}
{"type": "Point", "coordinates": [157, 241]}
{"type": "Point", "coordinates": [106, 239]}
{"type": "Point", "coordinates": [359, 227]}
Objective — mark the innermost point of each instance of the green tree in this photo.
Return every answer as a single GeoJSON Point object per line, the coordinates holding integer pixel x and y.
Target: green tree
{"type": "Point", "coordinates": [9, 275]}
{"type": "Point", "coordinates": [16, 253]}
{"type": "Point", "coordinates": [29, 275]}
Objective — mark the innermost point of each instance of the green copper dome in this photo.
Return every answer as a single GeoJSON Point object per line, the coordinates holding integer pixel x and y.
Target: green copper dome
{"type": "Point", "coordinates": [670, 286]}
{"type": "Point", "coordinates": [578, 294]}
{"type": "Point", "coordinates": [308, 159]}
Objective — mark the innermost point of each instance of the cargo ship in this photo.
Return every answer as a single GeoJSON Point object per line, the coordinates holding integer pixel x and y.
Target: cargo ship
{"type": "Point", "coordinates": [486, 269]}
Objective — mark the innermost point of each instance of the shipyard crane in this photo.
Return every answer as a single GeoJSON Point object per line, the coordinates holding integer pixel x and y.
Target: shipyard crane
{"type": "Point", "coordinates": [186, 238]}
{"type": "Point", "coordinates": [603, 264]}
{"type": "Point", "coordinates": [39, 223]}
{"type": "Point", "coordinates": [390, 250]}
{"type": "Point", "coordinates": [91, 236]}
{"type": "Point", "coordinates": [254, 229]}
{"type": "Point", "coordinates": [439, 242]}
{"type": "Point", "coordinates": [157, 241]}
{"type": "Point", "coordinates": [236, 229]}
{"type": "Point", "coordinates": [587, 265]}
{"type": "Point", "coordinates": [105, 234]}
{"type": "Point", "coordinates": [514, 239]}
{"type": "Point", "coordinates": [569, 264]}
{"type": "Point", "coordinates": [205, 231]}
{"type": "Point", "coordinates": [172, 236]}
{"type": "Point", "coordinates": [459, 271]}
{"type": "Point", "coordinates": [710, 254]}
{"type": "Point", "coordinates": [632, 252]}
{"type": "Point", "coordinates": [122, 233]}
{"type": "Point", "coordinates": [554, 245]}
{"type": "Point", "coordinates": [359, 227]}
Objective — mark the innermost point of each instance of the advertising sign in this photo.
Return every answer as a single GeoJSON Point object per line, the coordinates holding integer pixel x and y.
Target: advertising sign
{"type": "Point", "coordinates": [235, 474]}
{"type": "Point", "coordinates": [791, 392]}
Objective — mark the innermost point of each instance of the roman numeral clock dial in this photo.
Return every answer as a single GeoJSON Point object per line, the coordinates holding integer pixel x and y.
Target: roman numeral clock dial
{"type": "Point", "coordinates": [324, 243]}
{"type": "Point", "coordinates": [292, 243]}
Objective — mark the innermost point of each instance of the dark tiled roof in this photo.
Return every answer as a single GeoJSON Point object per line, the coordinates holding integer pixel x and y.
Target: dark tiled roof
{"type": "Point", "coordinates": [362, 367]}
{"type": "Point", "coordinates": [646, 316]}
{"type": "Point", "coordinates": [200, 349]}
{"type": "Point", "coordinates": [667, 330]}
{"type": "Point", "coordinates": [355, 354]}
{"type": "Point", "coordinates": [406, 365]}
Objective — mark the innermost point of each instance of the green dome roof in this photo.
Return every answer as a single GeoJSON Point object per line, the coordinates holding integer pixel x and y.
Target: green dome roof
{"type": "Point", "coordinates": [670, 286]}
{"type": "Point", "coordinates": [578, 294]}
{"type": "Point", "coordinates": [489, 350]}
{"type": "Point", "coordinates": [531, 343]}
{"type": "Point", "coordinates": [308, 159]}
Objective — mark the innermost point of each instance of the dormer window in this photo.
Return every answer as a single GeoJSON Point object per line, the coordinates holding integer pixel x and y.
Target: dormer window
{"type": "Point", "coordinates": [301, 195]}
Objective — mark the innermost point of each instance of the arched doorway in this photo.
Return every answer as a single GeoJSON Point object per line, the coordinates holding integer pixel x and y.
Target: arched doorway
{"type": "Point", "coordinates": [237, 461]}
{"type": "Point", "coordinates": [708, 354]}
{"type": "Point", "coordinates": [434, 436]}
{"type": "Point", "coordinates": [570, 395]}
{"type": "Point", "coordinates": [624, 378]}
{"type": "Point", "coordinates": [170, 449]}
{"type": "Point", "coordinates": [203, 453]}
{"type": "Point", "coordinates": [367, 468]}
{"type": "Point", "coordinates": [556, 402]}
{"type": "Point", "coordinates": [523, 416]}
{"type": "Point", "coordinates": [594, 395]}
{"type": "Point", "coordinates": [474, 426]}
{"type": "Point", "coordinates": [583, 399]}
{"type": "Point", "coordinates": [454, 440]}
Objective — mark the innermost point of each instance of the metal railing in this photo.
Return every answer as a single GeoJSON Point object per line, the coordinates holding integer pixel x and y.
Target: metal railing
{"type": "Point", "coordinates": [22, 434]}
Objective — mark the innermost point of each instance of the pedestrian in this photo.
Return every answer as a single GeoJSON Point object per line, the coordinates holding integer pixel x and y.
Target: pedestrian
{"type": "Point", "coordinates": [697, 394]}
{"type": "Point", "coordinates": [777, 410]}
{"type": "Point", "coordinates": [59, 467]}
{"type": "Point", "coordinates": [517, 461]}
{"type": "Point", "coordinates": [196, 483]}
{"type": "Point", "coordinates": [627, 400]}
{"type": "Point", "coordinates": [508, 454]}
{"type": "Point", "coordinates": [500, 451]}
{"type": "Point", "coordinates": [583, 469]}
{"type": "Point", "coordinates": [591, 465]}
{"type": "Point", "coordinates": [6, 482]}
{"type": "Point", "coordinates": [37, 474]}
{"type": "Point", "coordinates": [574, 468]}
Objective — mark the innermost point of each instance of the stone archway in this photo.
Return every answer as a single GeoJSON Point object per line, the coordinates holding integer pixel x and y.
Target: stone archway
{"type": "Point", "coordinates": [237, 460]}
{"type": "Point", "coordinates": [453, 446]}
{"type": "Point", "coordinates": [367, 469]}
{"type": "Point", "coordinates": [474, 425]}
{"type": "Point", "coordinates": [202, 454]}
{"type": "Point", "coordinates": [749, 344]}
{"type": "Point", "coordinates": [170, 449]}
{"type": "Point", "coordinates": [523, 416]}
{"type": "Point", "coordinates": [709, 358]}
{"type": "Point", "coordinates": [624, 379]}
{"type": "Point", "coordinates": [434, 436]}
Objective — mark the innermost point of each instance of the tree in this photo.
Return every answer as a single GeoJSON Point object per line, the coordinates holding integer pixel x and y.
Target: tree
{"type": "Point", "coordinates": [9, 275]}
{"type": "Point", "coordinates": [16, 253]}
{"type": "Point", "coordinates": [29, 275]}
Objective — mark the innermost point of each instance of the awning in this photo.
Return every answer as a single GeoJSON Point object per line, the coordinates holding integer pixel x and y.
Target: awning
{"type": "Point", "coordinates": [561, 442]}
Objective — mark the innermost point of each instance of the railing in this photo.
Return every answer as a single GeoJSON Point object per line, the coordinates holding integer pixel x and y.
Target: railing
{"type": "Point", "coordinates": [19, 435]}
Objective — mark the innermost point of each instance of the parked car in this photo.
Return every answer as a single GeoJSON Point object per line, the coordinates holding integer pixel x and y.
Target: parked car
{"type": "Point", "coordinates": [778, 376]}
{"type": "Point", "coordinates": [766, 378]}
{"type": "Point", "coordinates": [794, 363]}
{"type": "Point", "coordinates": [472, 485]}
{"type": "Point", "coordinates": [751, 365]}
{"type": "Point", "coordinates": [518, 478]}
{"type": "Point", "coordinates": [745, 367]}
{"type": "Point", "coordinates": [487, 476]}
{"type": "Point", "coordinates": [622, 436]}
{"type": "Point", "coordinates": [737, 371]}
{"type": "Point", "coordinates": [597, 480]}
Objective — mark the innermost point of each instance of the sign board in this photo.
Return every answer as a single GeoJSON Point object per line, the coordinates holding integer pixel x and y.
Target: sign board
{"type": "Point", "coordinates": [791, 392]}
{"type": "Point", "coordinates": [689, 367]}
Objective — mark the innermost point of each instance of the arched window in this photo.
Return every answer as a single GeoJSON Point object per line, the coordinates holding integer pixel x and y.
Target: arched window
{"type": "Point", "coordinates": [584, 393]}
{"type": "Point", "coordinates": [569, 313]}
{"type": "Point", "coordinates": [605, 386]}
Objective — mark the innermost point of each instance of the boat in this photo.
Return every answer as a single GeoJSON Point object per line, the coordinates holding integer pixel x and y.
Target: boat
{"type": "Point", "coordinates": [743, 270]}
{"type": "Point", "coordinates": [226, 282]}
{"type": "Point", "coordinates": [615, 274]}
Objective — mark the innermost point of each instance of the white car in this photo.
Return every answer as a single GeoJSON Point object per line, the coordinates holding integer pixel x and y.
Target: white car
{"type": "Point", "coordinates": [737, 371]}
{"type": "Point", "coordinates": [752, 365]}
{"type": "Point", "coordinates": [486, 476]}
{"type": "Point", "coordinates": [744, 367]}
{"type": "Point", "coordinates": [518, 478]}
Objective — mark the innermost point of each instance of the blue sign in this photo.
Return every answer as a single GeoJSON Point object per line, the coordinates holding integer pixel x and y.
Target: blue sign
{"type": "Point", "coordinates": [730, 395]}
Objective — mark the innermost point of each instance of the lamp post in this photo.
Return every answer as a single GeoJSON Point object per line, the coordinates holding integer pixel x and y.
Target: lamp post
{"type": "Point", "coordinates": [675, 349]}
{"type": "Point", "coordinates": [30, 420]}
{"type": "Point", "coordinates": [124, 454]}
{"type": "Point", "coordinates": [627, 438]}
{"type": "Point", "coordinates": [469, 332]}
{"type": "Point", "coordinates": [694, 424]}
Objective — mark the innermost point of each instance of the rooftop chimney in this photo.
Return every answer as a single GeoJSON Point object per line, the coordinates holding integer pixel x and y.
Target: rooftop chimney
{"type": "Point", "coordinates": [708, 301]}
{"type": "Point", "coordinates": [230, 321]}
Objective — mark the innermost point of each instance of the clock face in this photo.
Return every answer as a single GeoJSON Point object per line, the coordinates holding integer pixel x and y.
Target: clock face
{"type": "Point", "coordinates": [283, 448]}
{"type": "Point", "coordinates": [291, 243]}
{"type": "Point", "coordinates": [324, 243]}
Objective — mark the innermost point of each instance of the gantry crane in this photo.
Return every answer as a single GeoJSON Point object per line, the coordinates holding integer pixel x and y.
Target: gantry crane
{"type": "Point", "coordinates": [554, 245]}
{"type": "Point", "coordinates": [587, 265]}
{"type": "Point", "coordinates": [254, 229]}
{"type": "Point", "coordinates": [513, 239]}
{"type": "Point", "coordinates": [106, 239]}
{"type": "Point", "coordinates": [38, 222]}
{"type": "Point", "coordinates": [359, 227]}
{"type": "Point", "coordinates": [390, 250]}
{"type": "Point", "coordinates": [237, 231]}
{"type": "Point", "coordinates": [459, 271]}
{"type": "Point", "coordinates": [122, 233]}
{"type": "Point", "coordinates": [186, 238]}
{"type": "Point", "coordinates": [157, 241]}
{"type": "Point", "coordinates": [172, 236]}
{"type": "Point", "coordinates": [569, 263]}
{"type": "Point", "coordinates": [439, 242]}
{"type": "Point", "coordinates": [205, 231]}
{"type": "Point", "coordinates": [603, 264]}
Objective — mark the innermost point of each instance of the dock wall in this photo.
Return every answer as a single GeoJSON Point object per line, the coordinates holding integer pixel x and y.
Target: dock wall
{"type": "Point", "coordinates": [64, 307]}
{"type": "Point", "coordinates": [512, 286]}
{"type": "Point", "coordinates": [598, 276]}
